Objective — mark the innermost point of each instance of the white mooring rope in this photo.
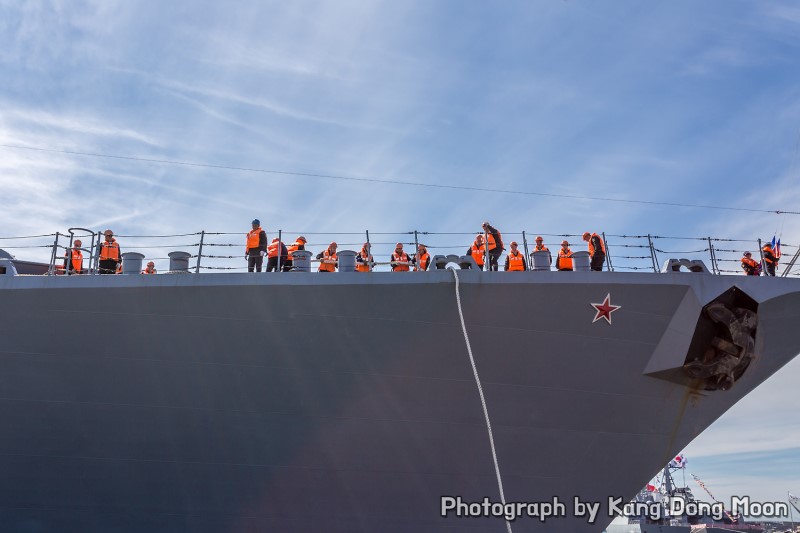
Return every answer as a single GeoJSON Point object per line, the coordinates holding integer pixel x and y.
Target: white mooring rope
{"type": "Point", "coordinates": [483, 399]}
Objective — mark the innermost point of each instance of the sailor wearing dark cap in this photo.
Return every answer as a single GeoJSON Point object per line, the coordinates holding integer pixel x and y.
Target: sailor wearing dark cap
{"type": "Point", "coordinates": [256, 247]}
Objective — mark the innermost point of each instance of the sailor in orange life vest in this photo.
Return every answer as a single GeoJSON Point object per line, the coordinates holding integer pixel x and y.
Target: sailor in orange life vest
{"type": "Point", "coordinates": [540, 247]}
{"type": "Point", "coordinates": [422, 260]}
{"type": "Point", "coordinates": [597, 250]}
{"type": "Point", "coordinates": [495, 244]}
{"type": "Point", "coordinates": [299, 244]}
{"type": "Point", "coordinates": [73, 259]}
{"type": "Point", "coordinates": [750, 265]}
{"type": "Point", "coordinates": [328, 258]}
{"type": "Point", "coordinates": [151, 268]}
{"type": "Point", "coordinates": [770, 261]}
{"type": "Point", "coordinates": [272, 255]}
{"type": "Point", "coordinates": [400, 261]}
{"type": "Point", "coordinates": [564, 259]}
{"type": "Point", "coordinates": [515, 261]}
{"type": "Point", "coordinates": [477, 250]}
{"type": "Point", "coordinates": [256, 247]}
{"type": "Point", "coordinates": [109, 254]}
{"type": "Point", "coordinates": [364, 259]}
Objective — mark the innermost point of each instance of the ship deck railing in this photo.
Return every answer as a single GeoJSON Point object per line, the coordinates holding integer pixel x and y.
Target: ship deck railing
{"type": "Point", "coordinates": [215, 251]}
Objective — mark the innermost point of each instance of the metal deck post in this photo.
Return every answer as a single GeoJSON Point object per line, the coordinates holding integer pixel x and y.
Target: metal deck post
{"type": "Point", "coordinates": [527, 257]}
{"type": "Point", "coordinates": [280, 247]}
{"type": "Point", "coordinates": [52, 267]}
{"type": "Point", "coordinates": [200, 252]}
{"type": "Point", "coordinates": [608, 253]}
{"type": "Point", "coordinates": [652, 253]}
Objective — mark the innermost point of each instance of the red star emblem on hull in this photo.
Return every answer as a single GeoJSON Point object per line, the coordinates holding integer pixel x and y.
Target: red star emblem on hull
{"type": "Point", "coordinates": [605, 309]}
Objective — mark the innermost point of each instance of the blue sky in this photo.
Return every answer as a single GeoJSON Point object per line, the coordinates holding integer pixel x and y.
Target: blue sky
{"type": "Point", "coordinates": [675, 102]}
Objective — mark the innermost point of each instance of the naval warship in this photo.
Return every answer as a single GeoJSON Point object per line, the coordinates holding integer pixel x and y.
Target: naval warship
{"type": "Point", "coordinates": [353, 402]}
{"type": "Point", "coordinates": [665, 506]}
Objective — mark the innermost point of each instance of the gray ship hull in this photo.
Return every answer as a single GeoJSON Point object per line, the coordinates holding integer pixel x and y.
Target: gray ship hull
{"type": "Point", "coordinates": [341, 403]}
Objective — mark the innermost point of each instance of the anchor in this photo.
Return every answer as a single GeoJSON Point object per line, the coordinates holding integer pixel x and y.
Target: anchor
{"type": "Point", "coordinates": [730, 351]}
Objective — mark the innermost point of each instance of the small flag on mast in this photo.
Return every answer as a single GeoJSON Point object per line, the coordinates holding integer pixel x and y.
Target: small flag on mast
{"type": "Point", "coordinates": [776, 247]}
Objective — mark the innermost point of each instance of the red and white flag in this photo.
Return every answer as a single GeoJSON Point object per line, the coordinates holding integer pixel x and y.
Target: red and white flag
{"type": "Point", "coordinates": [679, 462]}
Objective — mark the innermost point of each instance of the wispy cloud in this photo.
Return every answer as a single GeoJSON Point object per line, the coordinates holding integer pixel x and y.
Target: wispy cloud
{"type": "Point", "coordinates": [212, 112]}
{"type": "Point", "coordinates": [67, 126]}
{"type": "Point", "coordinates": [227, 95]}
{"type": "Point", "coordinates": [247, 56]}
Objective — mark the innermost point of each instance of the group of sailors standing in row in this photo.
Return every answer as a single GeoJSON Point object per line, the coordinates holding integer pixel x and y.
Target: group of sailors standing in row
{"type": "Point", "coordinates": [109, 257]}
{"type": "Point", "coordinates": [487, 245]}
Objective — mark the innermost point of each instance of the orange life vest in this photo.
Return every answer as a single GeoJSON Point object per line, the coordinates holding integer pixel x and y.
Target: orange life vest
{"type": "Point", "coordinates": [272, 249]}
{"type": "Point", "coordinates": [76, 257]}
{"type": "Point", "coordinates": [146, 272]}
{"type": "Point", "coordinates": [542, 248]}
{"type": "Point", "coordinates": [492, 243]}
{"type": "Point", "coordinates": [477, 254]}
{"type": "Point", "coordinates": [252, 239]}
{"type": "Point", "coordinates": [364, 264]}
{"type": "Point", "coordinates": [751, 265]}
{"type": "Point", "coordinates": [600, 240]}
{"type": "Point", "coordinates": [769, 255]}
{"type": "Point", "coordinates": [516, 263]}
{"type": "Point", "coordinates": [401, 257]}
{"type": "Point", "coordinates": [422, 262]}
{"type": "Point", "coordinates": [564, 261]}
{"type": "Point", "coordinates": [328, 267]}
{"type": "Point", "coordinates": [109, 250]}
{"type": "Point", "coordinates": [293, 248]}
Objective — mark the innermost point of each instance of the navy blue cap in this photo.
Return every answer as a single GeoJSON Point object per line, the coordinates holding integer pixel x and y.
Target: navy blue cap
{"type": "Point", "coordinates": [257, 222]}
